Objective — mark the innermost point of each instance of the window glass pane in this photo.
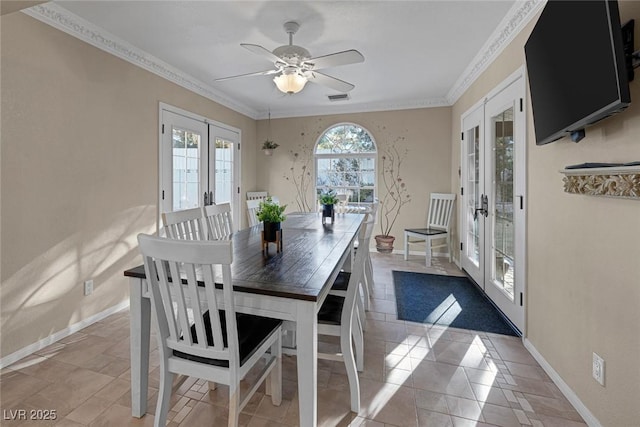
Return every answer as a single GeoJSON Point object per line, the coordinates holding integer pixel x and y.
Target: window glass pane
{"type": "Point", "coordinates": [342, 173]}
{"type": "Point", "coordinates": [223, 171]}
{"type": "Point", "coordinates": [186, 164]}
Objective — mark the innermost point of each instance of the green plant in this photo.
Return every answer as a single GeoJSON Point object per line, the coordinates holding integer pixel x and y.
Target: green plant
{"type": "Point", "coordinates": [271, 212]}
{"type": "Point", "coordinates": [328, 198]}
{"type": "Point", "coordinates": [269, 145]}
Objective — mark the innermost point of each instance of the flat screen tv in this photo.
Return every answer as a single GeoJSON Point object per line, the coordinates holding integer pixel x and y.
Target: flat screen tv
{"type": "Point", "coordinates": [576, 67]}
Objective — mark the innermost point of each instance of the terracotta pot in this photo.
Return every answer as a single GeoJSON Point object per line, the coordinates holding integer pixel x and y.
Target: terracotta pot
{"type": "Point", "coordinates": [384, 244]}
{"type": "Point", "coordinates": [270, 231]}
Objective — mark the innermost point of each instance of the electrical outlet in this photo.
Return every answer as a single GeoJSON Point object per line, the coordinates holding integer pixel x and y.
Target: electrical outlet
{"type": "Point", "coordinates": [88, 287]}
{"type": "Point", "coordinates": [598, 369]}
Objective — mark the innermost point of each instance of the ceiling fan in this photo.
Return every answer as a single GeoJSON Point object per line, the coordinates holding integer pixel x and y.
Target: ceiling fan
{"type": "Point", "coordinates": [294, 65]}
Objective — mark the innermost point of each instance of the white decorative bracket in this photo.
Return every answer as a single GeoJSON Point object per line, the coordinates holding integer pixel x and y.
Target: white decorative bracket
{"type": "Point", "coordinates": [615, 181]}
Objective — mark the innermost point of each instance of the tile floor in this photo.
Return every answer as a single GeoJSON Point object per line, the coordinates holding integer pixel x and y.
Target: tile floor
{"type": "Point", "coordinates": [415, 375]}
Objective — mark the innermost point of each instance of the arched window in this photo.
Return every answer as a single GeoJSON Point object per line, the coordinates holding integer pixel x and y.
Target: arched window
{"type": "Point", "coordinates": [346, 163]}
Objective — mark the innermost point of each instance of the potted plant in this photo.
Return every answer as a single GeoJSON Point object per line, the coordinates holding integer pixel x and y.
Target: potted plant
{"type": "Point", "coordinates": [271, 214]}
{"type": "Point", "coordinates": [268, 146]}
{"type": "Point", "coordinates": [395, 197]}
{"type": "Point", "coordinates": [327, 200]}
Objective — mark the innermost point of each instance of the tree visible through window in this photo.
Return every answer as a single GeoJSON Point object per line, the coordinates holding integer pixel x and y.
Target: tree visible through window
{"type": "Point", "coordinates": [346, 163]}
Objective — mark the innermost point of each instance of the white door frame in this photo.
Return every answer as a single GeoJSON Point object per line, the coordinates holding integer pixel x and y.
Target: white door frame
{"type": "Point", "coordinates": [519, 190]}
{"type": "Point", "coordinates": [236, 203]}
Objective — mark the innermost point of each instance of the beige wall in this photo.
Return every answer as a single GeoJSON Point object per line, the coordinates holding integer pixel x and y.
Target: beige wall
{"type": "Point", "coordinates": [425, 170]}
{"type": "Point", "coordinates": [79, 174]}
{"type": "Point", "coordinates": [583, 280]}
{"type": "Point", "coordinates": [79, 178]}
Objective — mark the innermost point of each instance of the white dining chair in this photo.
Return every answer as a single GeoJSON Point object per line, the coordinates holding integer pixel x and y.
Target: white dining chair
{"type": "Point", "coordinates": [257, 195]}
{"type": "Point", "coordinates": [218, 220]}
{"type": "Point", "coordinates": [338, 317]}
{"type": "Point", "coordinates": [438, 227]}
{"type": "Point", "coordinates": [220, 346]}
{"type": "Point", "coordinates": [339, 287]}
{"type": "Point", "coordinates": [252, 211]}
{"type": "Point", "coordinates": [187, 224]}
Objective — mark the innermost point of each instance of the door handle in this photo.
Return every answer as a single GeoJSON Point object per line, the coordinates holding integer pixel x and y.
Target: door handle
{"type": "Point", "coordinates": [211, 198]}
{"type": "Point", "coordinates": [484, 207]}
{"type": "Point", "coordinates": [206, 199]}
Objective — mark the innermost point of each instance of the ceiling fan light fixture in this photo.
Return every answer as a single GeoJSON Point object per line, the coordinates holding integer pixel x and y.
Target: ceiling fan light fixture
{"type": "Point", "coordinates": [290, 83]}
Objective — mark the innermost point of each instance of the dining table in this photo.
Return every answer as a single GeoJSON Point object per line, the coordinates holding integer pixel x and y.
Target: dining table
{"type": "Point", "coordinates": [290, 284]}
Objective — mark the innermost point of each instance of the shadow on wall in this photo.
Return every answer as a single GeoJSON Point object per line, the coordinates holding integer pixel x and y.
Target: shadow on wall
{"type": "Point", "coordinates": [46, 295]}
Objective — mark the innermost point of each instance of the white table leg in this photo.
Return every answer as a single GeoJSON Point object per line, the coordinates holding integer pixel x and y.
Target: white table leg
{"type": "Point", "coordinates": [140, 323]}
{"type": "Point", "coordinates": [428, 251]}
{"type": "Point", "coordinates": [307, 358]}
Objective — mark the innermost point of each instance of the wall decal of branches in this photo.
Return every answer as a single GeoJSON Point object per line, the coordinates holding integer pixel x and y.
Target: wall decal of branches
{"type": "Point", "coordinates": [396, 192]}
{"type": "Point", "coordinates": [300, 172]}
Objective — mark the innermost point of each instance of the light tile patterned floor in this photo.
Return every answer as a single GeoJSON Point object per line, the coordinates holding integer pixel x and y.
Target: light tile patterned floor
{"type": "Point", "coordinates": [415, 375]}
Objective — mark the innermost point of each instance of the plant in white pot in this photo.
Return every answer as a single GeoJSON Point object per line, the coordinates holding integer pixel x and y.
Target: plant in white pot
{"type": "Point", "coordinates": [395, 194]}
{"type": "Point", "coordinates": [268, 146]}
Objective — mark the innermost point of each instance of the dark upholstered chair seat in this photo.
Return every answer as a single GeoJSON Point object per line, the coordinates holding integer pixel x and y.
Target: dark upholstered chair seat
{"type": "Point", "coordinates": [341, 282]}
{"type": "Point", "coordinates": [252, 332]}
{"type": "Point", "coordinates": [426, 231]}
{"type": "Point", "coordinates": [331, 311]}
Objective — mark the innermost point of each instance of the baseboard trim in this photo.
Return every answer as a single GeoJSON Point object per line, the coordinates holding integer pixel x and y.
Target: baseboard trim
{"type": "Point", "coordinates": [39, 345]}
{"type": "Point", "coordinates": [571, 396]}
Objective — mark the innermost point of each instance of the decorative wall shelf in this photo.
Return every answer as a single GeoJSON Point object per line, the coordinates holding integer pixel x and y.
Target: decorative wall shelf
{"type": "Point", "coordinates": [612, 181]}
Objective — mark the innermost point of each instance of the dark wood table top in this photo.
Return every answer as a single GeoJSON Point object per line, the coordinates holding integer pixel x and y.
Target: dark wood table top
{"type": "Point", "coordinates": [310, 256]}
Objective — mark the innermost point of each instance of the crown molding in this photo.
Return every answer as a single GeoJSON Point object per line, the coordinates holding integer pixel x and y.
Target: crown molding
{"type": "Point", "coordinates": [514, 21]}
{"type": "Point", "coordinates": [60, 18]}
{"type": "Point", "coordinates": [347, 108]}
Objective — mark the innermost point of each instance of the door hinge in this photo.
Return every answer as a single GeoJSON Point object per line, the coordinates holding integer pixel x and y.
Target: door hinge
{"type": "Point", "coordinates": [163, 128]}
{"type": "Point", "coordinates": [521, 299]}
{"type": "Point", "coordinates": [462, 136]}
{"type": "Point", "coordinates": [521, 104]}
{"type": "Point", "coordinates": [461, 245]}
{"type": "Point", "coordinates": [521, 202]}
{"type": "Point", "coordinates": [162, 194]}
{"type": "Point", "coordinates": [238, 146]}
{"type": "Point", "coordinates": [238, 190]}
{"type": "Point", "coordinates": [462, 191]}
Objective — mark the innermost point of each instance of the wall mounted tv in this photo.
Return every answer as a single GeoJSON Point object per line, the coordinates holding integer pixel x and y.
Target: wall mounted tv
{"type": "Point", "coordinates": [576, 67]}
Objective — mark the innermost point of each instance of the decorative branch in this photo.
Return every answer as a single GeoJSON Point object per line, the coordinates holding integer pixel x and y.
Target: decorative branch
{"type": "Point", "coordinates": [299, 173]}
{"type": "Point", "coordinates": [396, 192]}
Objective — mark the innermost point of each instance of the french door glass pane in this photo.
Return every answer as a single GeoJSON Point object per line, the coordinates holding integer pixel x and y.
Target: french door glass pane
{"type": "Point", "coordinates": [473, 185]}
{"type": "Point", "coordinates": [503, 236]}
{"type": "Point", "coordinates": [223, 171]}
{"type": "Point", "coordinates": [186, 164]}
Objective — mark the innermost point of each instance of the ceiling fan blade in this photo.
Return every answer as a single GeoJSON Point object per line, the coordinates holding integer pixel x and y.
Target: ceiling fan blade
{"type": "Point", "coordinates": [259, 50]}
{"type": "Point", "coordinates": [259, 73]}
{"type": "Point", "coordinates": [328, 81]}
{"type": "Point", "coordinates": [335, 59]}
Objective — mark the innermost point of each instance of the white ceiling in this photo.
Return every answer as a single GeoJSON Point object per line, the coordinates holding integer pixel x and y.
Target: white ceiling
{"type": "Point", "coordinates": [417, 53]}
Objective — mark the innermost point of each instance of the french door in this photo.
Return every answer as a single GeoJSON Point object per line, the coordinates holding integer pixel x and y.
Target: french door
{"type": "Point", "coordinates": [493, 186]}
{"type": "Point", "coordinates": [199, 163]}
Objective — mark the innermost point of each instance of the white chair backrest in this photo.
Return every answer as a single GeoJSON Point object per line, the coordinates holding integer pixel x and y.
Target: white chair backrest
{"type": "Point", "coordinates": [165, 260]}
{"type": "Point", "coordinates": [357, 271]}
{"type": "Point", "coordinates": [440, 209]}
{"type": "Point", "coordinates": [252, 211]}
{"type": "Point", "coordinates": [187, 224]}
{"type": "Point", "coordinates": [257, 195]}
{"type": "Point", "coordinates": [218, 220]}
